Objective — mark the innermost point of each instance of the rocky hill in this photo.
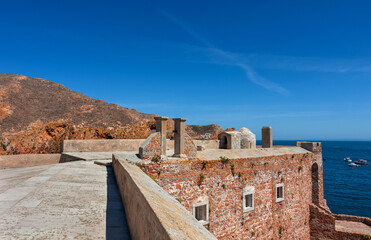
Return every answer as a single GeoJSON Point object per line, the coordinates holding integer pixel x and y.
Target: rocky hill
{"type": "Point", "coordinates": [36, 115]}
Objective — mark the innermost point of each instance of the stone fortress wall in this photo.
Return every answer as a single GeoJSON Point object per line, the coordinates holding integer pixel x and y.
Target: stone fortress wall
{"type": "Point", "coordinates": [220, 177]}
{"type": "Point", "coordinates": [221, 183]}
{"type": "Point", "coordinates": [284, 185]}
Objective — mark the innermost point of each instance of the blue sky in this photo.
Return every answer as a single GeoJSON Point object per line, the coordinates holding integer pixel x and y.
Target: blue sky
{"type": "Point", "coordinates": [302, 67]}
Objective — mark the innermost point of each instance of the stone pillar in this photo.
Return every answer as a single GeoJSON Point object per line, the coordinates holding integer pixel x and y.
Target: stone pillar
{"type": "Point", "coordinates": [179, 127]}
{"type": "Point", "coordinates": [267, 139]}
{"type": "Point", "coordinates": [161, 127]}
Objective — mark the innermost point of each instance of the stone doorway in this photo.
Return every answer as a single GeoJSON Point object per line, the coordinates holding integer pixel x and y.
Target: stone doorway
{"type": "Point", "coordinates": [224, 142]}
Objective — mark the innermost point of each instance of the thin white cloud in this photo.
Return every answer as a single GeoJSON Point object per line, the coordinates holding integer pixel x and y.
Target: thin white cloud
{"type": "Point", "coordinates": [225, 56]}
{"type": "Point", "coordinates": [336, 65]}
{"type": "Point", "coordinates": [277, 62]}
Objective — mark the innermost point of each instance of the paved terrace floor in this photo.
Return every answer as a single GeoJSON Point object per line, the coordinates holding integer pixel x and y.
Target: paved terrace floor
{"type": "Point", "coordinates": [76, 200]}
{"type": "Point", "coordinates": [352, 227]}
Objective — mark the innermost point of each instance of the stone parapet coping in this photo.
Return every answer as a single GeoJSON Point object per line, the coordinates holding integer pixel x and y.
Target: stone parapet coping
{"type": "Point", "coordinates": [28, 160]}
{"type": "Point", "coordinates": [212, 154]}
{"type": "Point", "coordinates": [215, 154]}
{"type": "Point", "coordinates": [119, 145]}
{"type": "Point", "coordinates": [151, 212]}
{"type": "Point", "coordinates": [352, 218]}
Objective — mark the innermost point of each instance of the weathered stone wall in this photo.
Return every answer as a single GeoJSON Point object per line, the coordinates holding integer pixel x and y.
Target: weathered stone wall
{"type": "Point", "coordinates": [119, 145]}
{"type": "Point", "coordinates": [209, 144]}
{"type": "Point", "coordinates": [323, 222]}
{"type": "Point", "coordinates": [151, 212]}
{"type": "Point", "coordinates": [352, 218]}
{"type": "Point", "coordinates": [310, 146]}
{"type": "Point", "coordinates": [28, 160]}
{"type": "Point", "coordinates": [222, 183]}
{"type": "Point", "coordinates": [101, 145]}
{"type": "Point", "coordinates": [190, 149]}
{"type": "Point", "coordinates": [151, 147]}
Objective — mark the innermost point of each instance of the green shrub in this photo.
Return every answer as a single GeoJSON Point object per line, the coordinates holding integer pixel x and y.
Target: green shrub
{"type": "Point", "coordinates": [224, 160]}
{"type": "Point", "coordinates": [201, 179]}
{"type": "Point", "coordinates": [156, 159]}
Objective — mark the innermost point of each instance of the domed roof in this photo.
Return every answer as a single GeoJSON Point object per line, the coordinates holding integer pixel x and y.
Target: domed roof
{"type": "Point", "coordinates": [246, 134]}
{"type": "Point", "coordinates": [244, 130]}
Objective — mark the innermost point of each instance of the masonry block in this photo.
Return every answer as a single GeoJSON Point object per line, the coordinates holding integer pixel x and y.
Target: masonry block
{"type": "Point", "coordinates": [267, 137]}
{"type": "Point", "coordinates": [314, 147]}
{"type": "Point", "coordinates": [179, 137]}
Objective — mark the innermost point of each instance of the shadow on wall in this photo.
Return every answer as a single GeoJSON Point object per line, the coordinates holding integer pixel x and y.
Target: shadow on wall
{"type": "Point", "coordinates": [116, 225]}
{"type": "Point", "coordinates": [315, 184]}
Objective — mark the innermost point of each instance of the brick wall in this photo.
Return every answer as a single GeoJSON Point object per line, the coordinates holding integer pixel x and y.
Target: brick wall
{"type": "Point", "coordinates": [222, 183]}
{"type": "Point", "coordinates": [322, 223]}
{"type": "Point", "coordinates": [317, 162]}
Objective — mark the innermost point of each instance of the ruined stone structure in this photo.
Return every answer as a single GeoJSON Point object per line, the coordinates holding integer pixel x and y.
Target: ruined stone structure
{"type": "Point", "coordinates": [241, 139]}
{"type": "Point", "coordinates": [154, 147]}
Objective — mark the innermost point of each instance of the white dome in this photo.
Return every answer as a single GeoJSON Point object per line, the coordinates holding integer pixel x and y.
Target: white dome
{"type": "Point", "coordinates": [244, 130]}
{"type": "Point", "coordinates": [248, 139]}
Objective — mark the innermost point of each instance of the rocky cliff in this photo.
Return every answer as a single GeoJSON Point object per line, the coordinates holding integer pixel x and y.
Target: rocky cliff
{"type": "Point", "coordinates": [36, 115]}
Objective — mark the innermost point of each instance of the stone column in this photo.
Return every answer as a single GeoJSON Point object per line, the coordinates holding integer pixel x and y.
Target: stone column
{"type": "Point", "coordinates": [267, 139]}
{"type": "Point", "coordinates": [179, 127]}
{"type": "Point", "coordinates": [161, 127]}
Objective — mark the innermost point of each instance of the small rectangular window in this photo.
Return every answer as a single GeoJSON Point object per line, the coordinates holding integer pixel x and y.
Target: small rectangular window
{"type": "Point", "coordinates": [248, 199]}
{"type": "Point", "coordinates": [201, 212]}
{"type": "Point", "coordinates": [248, 202]}
{"type": "Point", "coordinates": [280, 194]}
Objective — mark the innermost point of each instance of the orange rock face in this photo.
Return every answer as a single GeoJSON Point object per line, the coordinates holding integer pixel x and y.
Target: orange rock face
{"type": "Point", "coordinates": [36, 115]}
{"type": "Point", "coordinates": [48, 138]}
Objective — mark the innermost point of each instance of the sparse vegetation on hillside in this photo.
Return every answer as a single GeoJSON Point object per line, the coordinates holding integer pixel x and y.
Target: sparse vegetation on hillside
{"type": "Point", "coordinates": [36, 115]}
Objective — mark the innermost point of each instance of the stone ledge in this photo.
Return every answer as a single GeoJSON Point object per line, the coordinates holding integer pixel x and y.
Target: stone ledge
{"type": "Point", "coordinates": [119, 145]}
{"type": "Point", "coordinates": [212, 154]}
{"type": "Point", "coordinates": [352, 218]}
{"type": "Point", "coordinates": [28, 160]}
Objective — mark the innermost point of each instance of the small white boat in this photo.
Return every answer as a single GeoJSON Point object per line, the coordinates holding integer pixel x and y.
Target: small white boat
{"type": "Point", "coordinates": [362, 162]}
{"type": "Point", "coordinates": [347, 159]}
{"type": "Point", "coordinates": [353, 165]}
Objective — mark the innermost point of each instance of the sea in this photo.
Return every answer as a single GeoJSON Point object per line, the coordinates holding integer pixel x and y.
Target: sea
{"type": "Point", "coordinates": [347, 190]}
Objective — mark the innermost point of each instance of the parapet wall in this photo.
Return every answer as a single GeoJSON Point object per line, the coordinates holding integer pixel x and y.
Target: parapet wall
{"type": "Point", "coordinates": [151, 212]}
{"type": "Point", "coordinates": [101, 145]}
{"type": "Point", "coordinates": [314, 147]}
{"type": "Point", "coordinates": [28, 160]}
{"type": "Point", "coordinates": [119, 145]}
{"type": "Point", "coordinates": [323, 225]}
{"type": "Point", "coordinates": [352, 218]}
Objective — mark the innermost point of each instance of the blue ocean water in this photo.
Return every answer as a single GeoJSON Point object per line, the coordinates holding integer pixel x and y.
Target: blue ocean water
{"type": "Point", "coordinates": [347, 190]}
